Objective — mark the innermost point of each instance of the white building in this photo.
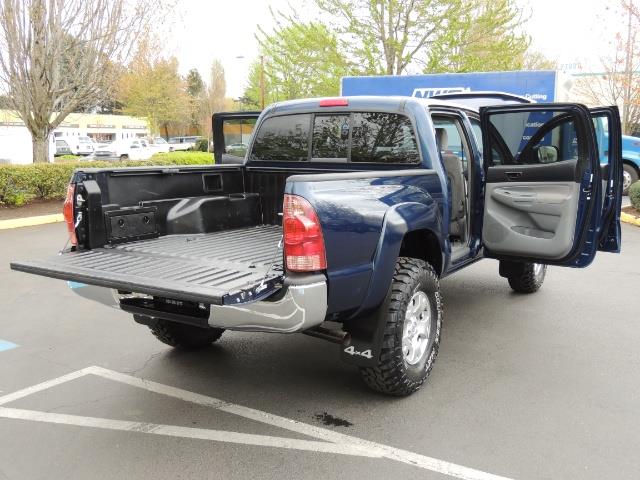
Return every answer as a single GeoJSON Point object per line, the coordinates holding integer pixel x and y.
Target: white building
{"type": "Point", "coordinates": [15, 139]}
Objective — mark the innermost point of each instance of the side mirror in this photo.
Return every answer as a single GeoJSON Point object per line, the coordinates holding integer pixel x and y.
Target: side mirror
{"type": "Point", "coordinates": [546, 153]}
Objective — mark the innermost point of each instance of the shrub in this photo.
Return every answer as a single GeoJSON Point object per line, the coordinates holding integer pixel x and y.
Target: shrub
{"type": "Point", "coordinates": [20, 184]}
{"type": "Point", "coordinates": [202, 145]}
{"type": "Point", "coordinates": [634, 195]}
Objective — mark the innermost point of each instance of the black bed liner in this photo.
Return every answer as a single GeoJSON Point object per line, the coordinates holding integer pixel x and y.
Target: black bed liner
{"type": "Point", "coordinates": [221, 268]}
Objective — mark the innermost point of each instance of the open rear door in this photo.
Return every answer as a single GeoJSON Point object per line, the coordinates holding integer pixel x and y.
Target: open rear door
{"type": "Point", "coordinates": [606, 121]}
{"type": "Point", "coordinates": [543, 190]}
{"type": "Point", "coordinates": [232, 133]}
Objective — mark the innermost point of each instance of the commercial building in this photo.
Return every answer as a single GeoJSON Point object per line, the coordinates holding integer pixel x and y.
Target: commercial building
{"type": "Point", "coordinates": [15, 139]}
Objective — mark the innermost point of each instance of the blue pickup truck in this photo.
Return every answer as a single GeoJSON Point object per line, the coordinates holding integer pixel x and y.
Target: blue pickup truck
{"type": "Point", "coordinates": [342, 220]}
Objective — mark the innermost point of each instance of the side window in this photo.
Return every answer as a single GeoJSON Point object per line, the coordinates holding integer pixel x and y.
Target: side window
{"type": "Point", "coordinates": [237, 134]}
{"type": "Point", "coordinates": [330, 136]}
{"type": "Point", "coordinates": [477, 133]}
{"type": "Point", "coordinates": [383, 138]}
{"type": "Point", "coordinates": [529, 138]}
{"type": "Point", "coordinates": [284, 138]}
{"type": "Point", "coordinates": [450, 139]}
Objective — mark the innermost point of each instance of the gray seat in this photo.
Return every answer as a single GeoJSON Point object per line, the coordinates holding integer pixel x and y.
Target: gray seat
{"type": "Point", "coordinates": [453, 167]}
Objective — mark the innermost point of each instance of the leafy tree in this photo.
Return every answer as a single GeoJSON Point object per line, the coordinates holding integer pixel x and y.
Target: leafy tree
{"type": "Point", "coordinates": [195, 91]}
{"type": "Point", "coordinates": [195, 85]}
{"type": "Point", "coordinates": [485, 38]}
{"type": "Point", "coordinates": [154, 89]}
{"type": "Point", "coordinates": [390, 36]}
{"type": "Point", "coordinates": [213, 99]}
{"type": "Point", "coordinates": [300, 60]}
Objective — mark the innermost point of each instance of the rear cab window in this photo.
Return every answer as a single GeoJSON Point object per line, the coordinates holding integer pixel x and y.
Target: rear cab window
{"type": "Point", "coordinates": [341, 137]}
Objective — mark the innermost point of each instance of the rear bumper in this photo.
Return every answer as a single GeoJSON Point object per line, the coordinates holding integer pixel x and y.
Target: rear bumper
{"type": "Point", "coordinates": [299, 306]}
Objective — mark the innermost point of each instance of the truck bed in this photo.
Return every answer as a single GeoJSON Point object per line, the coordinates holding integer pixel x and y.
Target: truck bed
{"type": "Point", "coordinates": [225, 267]}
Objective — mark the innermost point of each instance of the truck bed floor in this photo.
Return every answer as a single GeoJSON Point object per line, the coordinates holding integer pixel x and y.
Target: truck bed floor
{"type": "Point", "coordinates": [224, 267]}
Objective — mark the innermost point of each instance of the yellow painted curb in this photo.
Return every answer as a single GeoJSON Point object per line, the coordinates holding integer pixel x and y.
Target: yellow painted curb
{"type": "Point", "coordinates": [626, 218]}
{"type": "Point", "coordinates": [30, 221]}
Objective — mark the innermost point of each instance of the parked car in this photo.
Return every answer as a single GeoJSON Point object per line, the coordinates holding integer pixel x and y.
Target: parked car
{"type": "Point", "coordinates": [348, 212]}
{"type": "Point", "coordinates": [631, 159]}
{"type": "Point", "coordinates": [159, 145]}
{"type": "Point", "coordinates": [183, 143]}
{"type": "Point", "coordinates": [72, 145]}
{"type": "Point", "coordinates": [127, 149]}
{"type": "Point", "coordinates": [236, 146]}
{"type": "Point", "coordinates": [62, 147]}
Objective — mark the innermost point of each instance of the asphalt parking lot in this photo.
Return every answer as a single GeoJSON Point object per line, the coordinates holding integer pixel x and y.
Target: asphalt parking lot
{"type": "Point", "coordinates": [527, 387]}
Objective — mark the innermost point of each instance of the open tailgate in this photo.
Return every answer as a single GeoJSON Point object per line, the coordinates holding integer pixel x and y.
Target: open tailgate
{"type": "Point", "coordinates": [220, 268]}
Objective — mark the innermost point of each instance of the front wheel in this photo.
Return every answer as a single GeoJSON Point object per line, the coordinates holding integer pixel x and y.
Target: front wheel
{"type": "Point", "coordinates": [124, 157]}
{"type": "Point", "coordinates": [411, 335]}
{"type": "Point", "coordinates": [529, 278]}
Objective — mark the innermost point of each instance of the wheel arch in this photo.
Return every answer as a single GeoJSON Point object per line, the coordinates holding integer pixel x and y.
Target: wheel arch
{"type": "Point", "coordinates": [424, 245]}
{"type": "Point", "coordinates": [631, 163]}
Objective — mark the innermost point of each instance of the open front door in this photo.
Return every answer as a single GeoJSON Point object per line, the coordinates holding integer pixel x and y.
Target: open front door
{"type": "Point", "coordinates": [606, 121]}
{"type": "Point", "coordinates": [232, 132]}
{"type": "Point", "coordinates": [543, 192]}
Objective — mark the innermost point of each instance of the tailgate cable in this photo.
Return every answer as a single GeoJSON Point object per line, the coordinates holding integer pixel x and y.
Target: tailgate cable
{"type": "Point", "coordinates": [78, 220]}
{"type": "Point", "coordinates": [273, 261]}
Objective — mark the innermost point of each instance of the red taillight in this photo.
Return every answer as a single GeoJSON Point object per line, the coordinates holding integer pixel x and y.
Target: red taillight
{"type": "Point", "coordinates": [303, 242]}
{"type": "Point", "coordinates": [334, 102]}
{"type": "Point", "coordinates": [67, 212]}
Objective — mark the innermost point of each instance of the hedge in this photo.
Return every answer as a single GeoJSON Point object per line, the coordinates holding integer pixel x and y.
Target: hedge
{"type": "Point", "coordinates": [634, 195]}
{"type": "Point", "coordinates": [20, 184]}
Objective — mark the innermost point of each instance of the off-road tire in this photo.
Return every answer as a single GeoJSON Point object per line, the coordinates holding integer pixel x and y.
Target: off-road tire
{"type": "Point", "coordinates": [527, 281]}
{"type": "Point", "coordinates": [393, 375]}
{"type": "Point", "coordinates": [184, 336]}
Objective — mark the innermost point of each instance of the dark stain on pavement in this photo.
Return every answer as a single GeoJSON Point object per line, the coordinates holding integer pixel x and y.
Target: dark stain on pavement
{"type": "Point", "coordinates": [329, 419]}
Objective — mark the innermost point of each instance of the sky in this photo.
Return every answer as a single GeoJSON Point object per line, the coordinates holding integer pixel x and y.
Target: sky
{"type": "Point", "coordinates": [570, 31]}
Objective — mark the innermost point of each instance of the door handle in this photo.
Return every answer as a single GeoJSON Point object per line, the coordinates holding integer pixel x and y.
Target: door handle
{"type": "Point", "coordinates": [513, 175]}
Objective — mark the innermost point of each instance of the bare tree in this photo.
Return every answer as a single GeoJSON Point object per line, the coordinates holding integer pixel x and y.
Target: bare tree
{"type": "Point", "coordinates": [60, 55]}
{"type": "Point", "coordinates": [619, 83]}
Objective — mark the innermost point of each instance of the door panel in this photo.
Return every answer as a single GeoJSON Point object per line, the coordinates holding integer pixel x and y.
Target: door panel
{"type": "Point", "coordinates": [561, 171]}
{"type": "Point", "coordinates": [543, 188]}
{"type": "Point", "coordinates": [537, 218]}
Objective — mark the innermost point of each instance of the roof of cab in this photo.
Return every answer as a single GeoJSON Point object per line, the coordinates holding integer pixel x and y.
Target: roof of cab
{"type": "Point", "coordinates": [371, 102]}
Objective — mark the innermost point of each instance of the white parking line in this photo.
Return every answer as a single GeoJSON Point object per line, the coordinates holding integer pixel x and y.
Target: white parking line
{"type": "Point", "coordinates": [184, 432]}
{"type": "Point", "coordinates": [333, 442]}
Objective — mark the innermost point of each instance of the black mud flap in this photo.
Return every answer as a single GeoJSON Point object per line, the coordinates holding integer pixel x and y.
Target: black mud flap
{"type": "Point", "coordinates": [363, 343]}
{"type": "Point", "coordinates": [225, 268]}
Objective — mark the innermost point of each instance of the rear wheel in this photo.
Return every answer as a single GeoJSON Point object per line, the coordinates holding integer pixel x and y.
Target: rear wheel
{"type": "Point", "coordinates": [184, 336]}
{"type": "Point", "coordinates": [629, 176]}
{"type": "Point", "coordinates": [411, 332]}
{"type": "Point", "coordinates": [124, 157]}
{"type": "Point", "coordinates": [529, 279]}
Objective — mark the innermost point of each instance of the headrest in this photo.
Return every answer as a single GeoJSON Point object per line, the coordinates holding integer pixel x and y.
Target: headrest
{"type": "Point", "coordinates": [442, 139]}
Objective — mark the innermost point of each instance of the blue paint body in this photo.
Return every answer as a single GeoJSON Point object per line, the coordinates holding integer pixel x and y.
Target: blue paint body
{"type": "Point", "coordinates": [631, 150]}
{"type": "Point", "coordinates": [5, 345]}
{"type": "Point", "coordinates": [366, 213]}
